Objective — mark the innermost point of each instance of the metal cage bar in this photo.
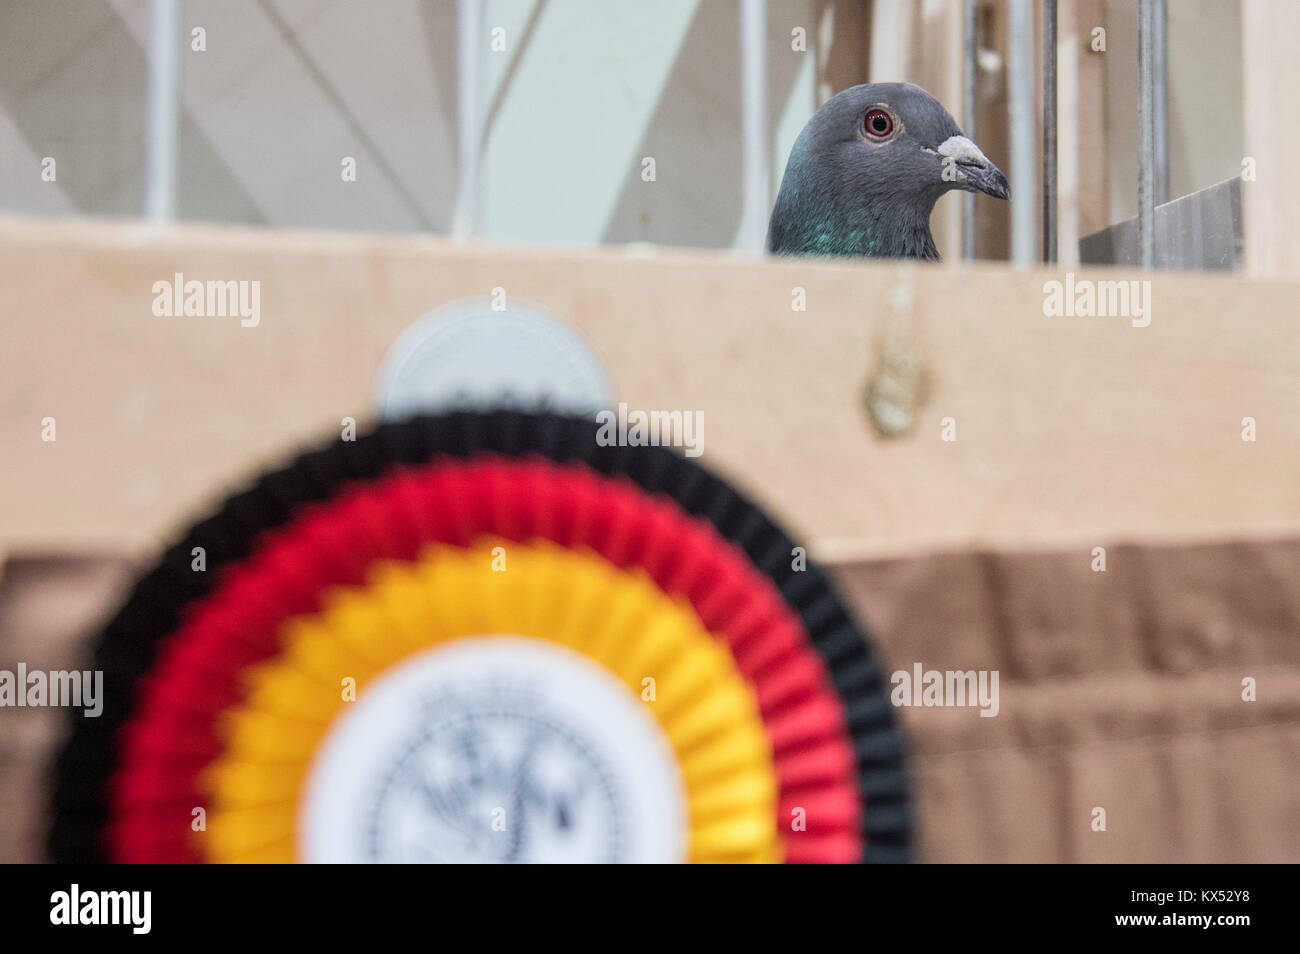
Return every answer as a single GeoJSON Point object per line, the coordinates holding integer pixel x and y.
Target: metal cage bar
{"type": "Point", "coordinates": [755, 178]}
{"type": "Point", "coordinates": [1049, 132]}
{"type": "Point", "coordinates": [1146, 217]}
{"type": "Point", "coordinates": [163, 109]}
{"type": "Point", "coordinates": [969, 108]}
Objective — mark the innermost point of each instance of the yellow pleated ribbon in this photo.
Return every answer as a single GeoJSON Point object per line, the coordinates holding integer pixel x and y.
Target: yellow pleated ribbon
{"type": "Point", "coordinates": [616, 618]}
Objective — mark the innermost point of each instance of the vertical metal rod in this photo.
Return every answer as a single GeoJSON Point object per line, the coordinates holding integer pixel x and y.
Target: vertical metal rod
{"type": "Point", "coordinates": [161, 121]}
{"type": "Point", "coordinates": [1160, 71]}
{"type": "Point", "coordinates": [969, 106]}
{"type": "Point", "coordinates": [469, 45]}
{"type": "Point", "coordinates": [755, 181]}
{"type": "Point", "coordinates": [1049, 131]}
{"type": "Point", "coordinates": [1020, 104]}
{"type": "Point", "coordinates": [1146, 138]}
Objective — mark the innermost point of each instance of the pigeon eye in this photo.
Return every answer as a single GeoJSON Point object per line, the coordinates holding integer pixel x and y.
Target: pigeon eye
{"type": "Point", "coordinates": [878, 124]}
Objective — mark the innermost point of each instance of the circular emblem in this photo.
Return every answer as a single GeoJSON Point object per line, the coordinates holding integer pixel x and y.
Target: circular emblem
{"type": "Point", "coordinates": [466, 355]}
{"type": "Point", "coordinates": [499, 749]}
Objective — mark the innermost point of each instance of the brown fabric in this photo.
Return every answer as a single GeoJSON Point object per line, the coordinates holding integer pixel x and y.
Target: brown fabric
{"type": "Point", "coordinates": [1120, 690]}
{"type": "Point", "coordinates": [49, 610]}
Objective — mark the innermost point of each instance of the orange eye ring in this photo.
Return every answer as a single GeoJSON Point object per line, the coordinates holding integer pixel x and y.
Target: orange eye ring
{"type": "Point", "coordinates": [878, 124]}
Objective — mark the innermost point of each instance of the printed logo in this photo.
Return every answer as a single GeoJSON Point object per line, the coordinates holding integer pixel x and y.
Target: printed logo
{"type": "Point", "coordinates": [497, 749]}
{"type": "Point", "coordinates": [496, 778]}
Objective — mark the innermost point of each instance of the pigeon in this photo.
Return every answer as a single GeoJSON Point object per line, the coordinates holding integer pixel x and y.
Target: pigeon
{"type": "Point", "coordinates": [866, 172]}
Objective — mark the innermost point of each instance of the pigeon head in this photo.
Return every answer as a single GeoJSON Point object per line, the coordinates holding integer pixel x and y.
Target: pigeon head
{"type": "Point", "coordinates": [866, 172]}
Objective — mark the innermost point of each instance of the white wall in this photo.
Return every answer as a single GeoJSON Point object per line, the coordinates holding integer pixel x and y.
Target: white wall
{"type": "Point", "coordinates": [286, 88]}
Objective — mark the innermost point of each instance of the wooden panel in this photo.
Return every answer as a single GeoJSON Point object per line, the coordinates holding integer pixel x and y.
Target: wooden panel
{"type": "Point", "coordinates": [1070, 431]}
{"type": "Point", "coordinates": [1091, 160]}
{"type": "Point", "coordinates": [1271, 136]}
{"type": "Point", "coordinates": [843, 27]}
{"type": "Point", "coordinates": [993, 219]}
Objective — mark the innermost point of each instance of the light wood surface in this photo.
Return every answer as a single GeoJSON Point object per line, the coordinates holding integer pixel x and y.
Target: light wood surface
{"type": "Point", "coordinates": [1070, 431]}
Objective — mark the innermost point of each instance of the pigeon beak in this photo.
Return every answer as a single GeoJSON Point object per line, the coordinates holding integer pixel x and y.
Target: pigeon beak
{"type": "Point", "coordinates": [969, 169]}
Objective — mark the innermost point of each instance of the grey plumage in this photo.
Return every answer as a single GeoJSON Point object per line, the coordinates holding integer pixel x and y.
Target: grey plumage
{"type": "Point", "coordinates": [849, 191]}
